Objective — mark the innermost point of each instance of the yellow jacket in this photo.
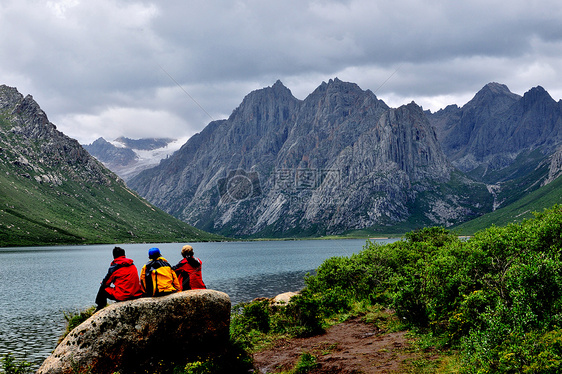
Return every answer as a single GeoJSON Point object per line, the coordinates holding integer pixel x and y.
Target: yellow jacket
{"type": "Point", "coordinates": [157, 278]}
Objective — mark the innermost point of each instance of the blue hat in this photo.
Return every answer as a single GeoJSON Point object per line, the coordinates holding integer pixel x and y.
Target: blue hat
{"type": "Point", "coordinates": [153, 253]}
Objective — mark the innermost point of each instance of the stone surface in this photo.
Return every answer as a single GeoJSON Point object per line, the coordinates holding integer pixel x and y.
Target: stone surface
{"type": "Point", "coordinates": [144, 335]}
{"type": "Point", "coordinates": [284, 298]}
{"type": "Point", "coordinates": [555, 166]}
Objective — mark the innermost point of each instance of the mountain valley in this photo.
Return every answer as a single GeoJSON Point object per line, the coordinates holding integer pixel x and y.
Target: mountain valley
{"type": "Point", "coordinates": [128, 157]}
{"type": "Point", "coordinates": [53, 192]}
{"type": "Point", "coordinates": [339, 162]}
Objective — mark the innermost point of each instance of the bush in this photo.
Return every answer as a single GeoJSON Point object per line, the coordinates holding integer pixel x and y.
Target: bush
{"type": "Point", "coordinates": [307, 362]}
{"type": "Point", "coordinates": [532, 352]}
{"type": "Point", "coordinates": [11, 366]}
{"type": "Point", "coordinates": [74, 319]}
{"type": "Point", "coordinates": [256, 315]}
{"type": "Point", "coordinates": [334, 300]}
{"type": "Point", "coordinates": [497, 296]}
{"type": "Point", "coordinates": [234, 360]}
{"type": "Point", "coordinates": [303, 314]}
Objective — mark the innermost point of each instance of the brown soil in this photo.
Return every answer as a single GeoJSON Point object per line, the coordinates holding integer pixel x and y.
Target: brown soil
{"type": "Point", "coordinates": [349, 347]}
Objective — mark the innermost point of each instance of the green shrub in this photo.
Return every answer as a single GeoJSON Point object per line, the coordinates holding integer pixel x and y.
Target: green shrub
{"type": "Point", "coordinates": [74, 319]}
{"type": "Point", "coordinates": [303, 312]}
{"type": "Point", "coordinates": [408, 302]}
{"type": "Point", "coordinates": [234, 360]}
{"type": "Point", "coordinates": [334, 300]}
{"type": "Point", "coordinates": [306, 363]}
{"type": "Point", "coordinates": [243, 327]}
{"type": "Point", "coordinates": [533, 352]}
{"type": "Point", "coordinates": [11, 366]}
{"type": "Point", "coordinates": [256, 315]}
{"type": "Point", "coordinates": [433, 236]}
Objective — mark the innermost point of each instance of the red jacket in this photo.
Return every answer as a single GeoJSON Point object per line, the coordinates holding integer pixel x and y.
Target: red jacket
{"type": "Point", "coordinates": [124, 276]}
{"type": "Point", "coordinates": [189, 274]}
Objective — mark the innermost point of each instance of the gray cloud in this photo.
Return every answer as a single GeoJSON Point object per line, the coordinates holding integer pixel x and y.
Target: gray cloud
{"type": "Point", "coordinates": [102, 68]}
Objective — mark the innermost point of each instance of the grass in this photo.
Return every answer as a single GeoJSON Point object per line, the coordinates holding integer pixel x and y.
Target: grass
{"type": "Point", "coordinates": [81, 212]}
{"type": "Point", "coordinates": [12, 366]}
{"type": "Point", "coordinates": [536, 201]}
{"type": "Point", "coordinates": [73, 319]}
{"type": "Point", "coordinates": [53, 192]}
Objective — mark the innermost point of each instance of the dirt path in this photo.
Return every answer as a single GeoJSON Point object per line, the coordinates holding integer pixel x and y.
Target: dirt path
{"type": "Point", "coordinates": [350, 347]}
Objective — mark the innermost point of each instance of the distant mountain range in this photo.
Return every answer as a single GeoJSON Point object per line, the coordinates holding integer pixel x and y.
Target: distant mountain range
{"type": "Point", "coordinates": [128, 157]}
{"type": "Point", "coordinates": [496, 127]}
{"type": "Point", "coordinates": [338, 162]}
{"type": "Point", "coordinates": [341, 160]}
{"type": "Point", "coordinates": [54, 192]}
{"type": "Point", "coordinates": [510, 142]}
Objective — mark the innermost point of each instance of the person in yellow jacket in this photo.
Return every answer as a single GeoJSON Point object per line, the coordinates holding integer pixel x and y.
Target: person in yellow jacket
{"type": "Point", "coordinates": [157, 277]}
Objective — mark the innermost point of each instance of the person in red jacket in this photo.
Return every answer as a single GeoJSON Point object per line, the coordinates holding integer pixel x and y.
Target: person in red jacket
{"type": "Point", "coordinates": [188, 270]}
{"type": "Point", "coordinates": [124, 277]}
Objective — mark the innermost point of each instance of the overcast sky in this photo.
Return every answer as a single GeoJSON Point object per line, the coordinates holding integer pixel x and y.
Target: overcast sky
{"type": "Point", "coordinates": [107, 68]}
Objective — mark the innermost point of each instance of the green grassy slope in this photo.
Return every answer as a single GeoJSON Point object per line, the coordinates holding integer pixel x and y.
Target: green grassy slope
{"type": "Point", "coordinates": [53, 192]}
{"type": "Point", "coordinates": [37, 214]}
{"type": "Point", "coordinates": [536, 201]}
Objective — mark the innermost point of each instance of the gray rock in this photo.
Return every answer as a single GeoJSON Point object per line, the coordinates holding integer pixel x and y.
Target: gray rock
{"type": "Point", "coordinates": [339, 160]}
{"type": "Point", "coordinates": [555, 167]}
{"type": "Point", "coordinates": [283, 298]}
{"type": "Point", "coordinates": [497, 126]}
{"type": "Point", "coordinates": [145, 335]}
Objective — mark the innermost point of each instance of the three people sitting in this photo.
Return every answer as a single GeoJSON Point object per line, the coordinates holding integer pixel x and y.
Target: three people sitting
{"type": "Point", "coordinates": [157, 277]}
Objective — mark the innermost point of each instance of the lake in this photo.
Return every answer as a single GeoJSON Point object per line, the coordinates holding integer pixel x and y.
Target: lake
{"type": "Point", "coordinates": [40, 284]}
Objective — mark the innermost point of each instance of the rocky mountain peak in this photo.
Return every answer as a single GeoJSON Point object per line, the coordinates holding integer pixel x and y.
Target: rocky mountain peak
{"type": "Point", "coordinates": [493, 95]}
{"type": "Point", "coordinates": [537, 97]}
{"type": "Point", "coordinates": [270, 103]}
{"type": "Point", "coordinates": [28, 107]}
{"type": "Point", "coordinates": [337, 98]}
{"type": "Point", "coordinates": [275, 92]}
{"type": "Point", "coordinates": [27, 114]}
{"type": "Point", "coordinates": [128, 157]}
{"type": "Point", "coordinates": [58, 158]}
{"type": "Point", "coordinates": [497, 88]}
{"type": "Point", "coordinates": [9, 97]}
{"type": "Point", "coordinates": [109, 154]}
{"type": "Point", "coordinates": [279, 86]}
{"type": "Point", "coordinates": [339, 160]}
{"type": "Point", "coordinates": [336, 86]}
{"type": "Point", "coordinates": [490, 132]}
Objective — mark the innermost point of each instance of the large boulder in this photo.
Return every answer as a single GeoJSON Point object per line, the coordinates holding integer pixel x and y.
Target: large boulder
{"type": "Point", "coordinates": [145, 335]}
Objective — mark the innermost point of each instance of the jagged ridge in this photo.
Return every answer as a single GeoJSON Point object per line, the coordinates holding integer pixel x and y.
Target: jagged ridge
{"type": "Point", "coordinates": [496, 126]}
{"type": "Point", "coordinates": [337, 161]}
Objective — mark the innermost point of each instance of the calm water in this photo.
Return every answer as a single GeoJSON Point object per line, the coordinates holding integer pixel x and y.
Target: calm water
{"type": "Point", "coordinates": [40, 283]}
